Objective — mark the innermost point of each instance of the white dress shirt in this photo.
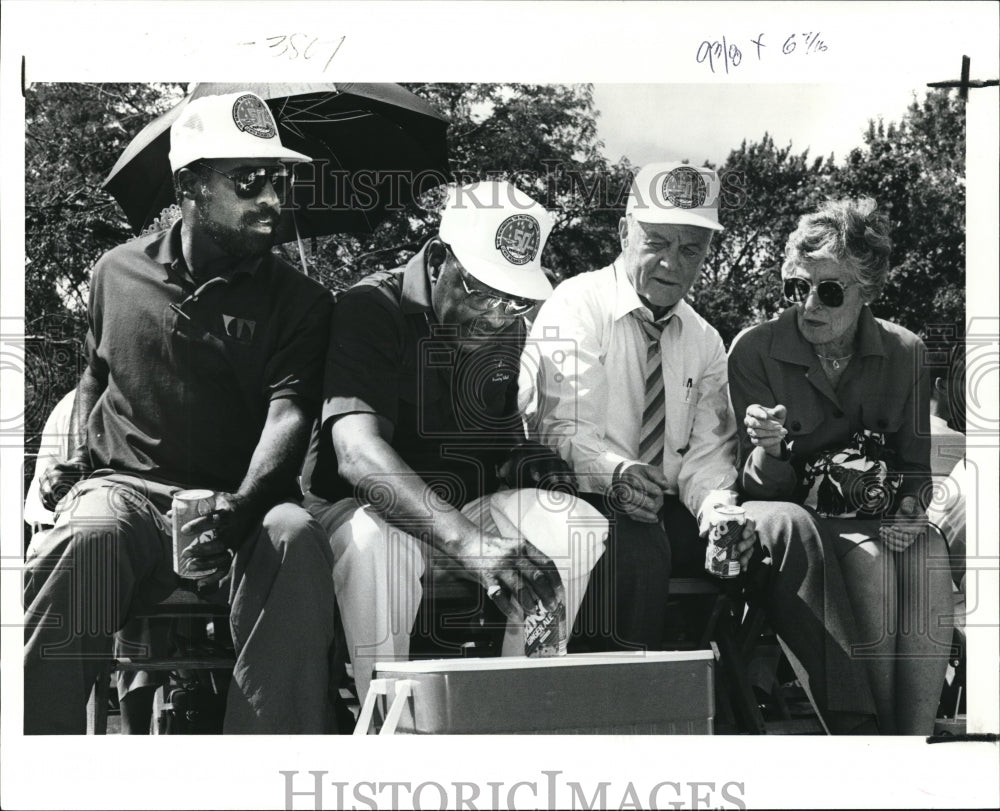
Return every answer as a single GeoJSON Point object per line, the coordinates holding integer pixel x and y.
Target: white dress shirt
{"type": "Point", "coordinates": [582, 387]}
{"type": "Point", "coordinates": [57, 445]}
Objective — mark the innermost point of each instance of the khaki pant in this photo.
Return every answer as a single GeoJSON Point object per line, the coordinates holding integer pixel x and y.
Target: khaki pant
{"type": "Point", "coordinates": [378, 567]}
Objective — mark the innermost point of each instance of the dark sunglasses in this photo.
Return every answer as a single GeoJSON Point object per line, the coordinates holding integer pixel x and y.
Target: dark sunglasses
{"type": "Point", "coordinates": [249, 181]}
{"type": "Point", "coordinates": [830, 293]}
{"type": "Point", "coordinates": [483, 301]}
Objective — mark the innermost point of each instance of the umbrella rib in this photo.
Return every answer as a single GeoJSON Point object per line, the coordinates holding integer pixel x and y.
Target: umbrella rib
{"type": "Point", "coordinates": [302, 106]}
{"type": "Point", "coordinates": [305, 118]}
{"type": "Point", "coordinates": [292, 127]}
{"type": "Point", "coordinates": [281, 108]}
{"type": "Point", "coordinates": [292, 124]}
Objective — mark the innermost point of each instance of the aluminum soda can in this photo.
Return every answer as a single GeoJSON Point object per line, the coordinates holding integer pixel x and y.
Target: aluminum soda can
{"type": "Point", "coordinates": [725, 528]}
{"type": "Point", "coordinates": [188, 505]}
{"type": "Point", "coordinates": [546, 632]}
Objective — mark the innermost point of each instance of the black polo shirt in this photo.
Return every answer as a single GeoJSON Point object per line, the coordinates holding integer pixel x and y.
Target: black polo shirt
{"type": "Point", "coordinates": [454, 413]}
{"type": "Point", "coordinates": [190, 371]}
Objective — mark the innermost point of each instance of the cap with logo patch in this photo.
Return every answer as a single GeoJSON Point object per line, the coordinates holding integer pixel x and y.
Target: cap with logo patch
{"type": "Point", "coordinates": [675, 194]}
{"type": "Point", "coordinates": [498, 232]}
{"type": "Point", "coordinates": [236, 125]}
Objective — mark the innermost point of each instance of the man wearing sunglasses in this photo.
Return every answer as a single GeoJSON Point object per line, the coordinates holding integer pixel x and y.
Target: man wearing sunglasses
{"type": "Point", "coordinates": [205, 356]}
{"type": "Point", "coordinates": [420, 426]}
{"type": "Point", "coordinates": [628, 383]}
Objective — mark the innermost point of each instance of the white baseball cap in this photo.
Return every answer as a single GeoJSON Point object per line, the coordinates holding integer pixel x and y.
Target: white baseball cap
{"type": "Point", "coordinates": [498, 232]}
{"type": "Point", "coordinates": [676, 194]}
{"type": "Point", "coordinates": [236, 125]}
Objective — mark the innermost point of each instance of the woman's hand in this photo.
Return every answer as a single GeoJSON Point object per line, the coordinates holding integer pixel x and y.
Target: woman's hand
{"type": "Point", "coordinates": [766, 427]}
{"type": "Point", "coordinates": [900, 531]}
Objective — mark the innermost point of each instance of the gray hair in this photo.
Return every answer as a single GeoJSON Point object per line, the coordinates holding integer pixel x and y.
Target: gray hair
{"type": "Point", "coordinates": [848, 231]}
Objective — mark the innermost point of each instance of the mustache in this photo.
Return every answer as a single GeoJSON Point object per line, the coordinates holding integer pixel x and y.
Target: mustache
{"type": "Point", "coordinates": [269, 215]}
{"type": "Point", "coordinates": [479, 328]}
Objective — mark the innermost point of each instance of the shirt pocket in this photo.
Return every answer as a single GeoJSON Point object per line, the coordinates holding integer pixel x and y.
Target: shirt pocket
{"type": "Point", "coordinates": [680, 407]}
{"type": "Point", "coordinates": [194, 348]}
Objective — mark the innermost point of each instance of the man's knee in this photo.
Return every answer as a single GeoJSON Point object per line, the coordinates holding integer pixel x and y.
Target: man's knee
{"type": "Point", "coordinates": [365, 540]}
{"type": "Point", "coordinates": [640, 552]}
{"type": "Point", "coordinates": [293, 531]}
{"type": "Point", "coordinates": [95, 526]}
{"type": "Point", "coordinates": [362, 544]}
{"type": "Point", "coordinates": [87, 565]}
{"type": "Point", "coordinates": [109, 507]}
{"type": "Point", "coordinates": [569, 530]}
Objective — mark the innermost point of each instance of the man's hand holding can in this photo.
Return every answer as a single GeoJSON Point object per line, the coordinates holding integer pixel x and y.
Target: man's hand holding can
{"type": "Point", "coordinates": [731, 536]}
{"type": "Point", "coordinates": [199, 519]}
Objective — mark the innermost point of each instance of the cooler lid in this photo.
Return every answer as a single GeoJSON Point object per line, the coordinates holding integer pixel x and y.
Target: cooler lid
{"type": "Point", "coordinates": [524, 663]}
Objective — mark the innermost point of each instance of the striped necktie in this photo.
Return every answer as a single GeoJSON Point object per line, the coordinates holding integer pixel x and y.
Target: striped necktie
{"type": "Point", "coordinates": [653, 414]}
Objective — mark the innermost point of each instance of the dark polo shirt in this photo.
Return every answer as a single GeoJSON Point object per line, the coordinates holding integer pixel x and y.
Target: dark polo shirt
{"type": "Point", "coordinates": [454, 414]}
{"type": "Point", "coordinates": [190, 371]}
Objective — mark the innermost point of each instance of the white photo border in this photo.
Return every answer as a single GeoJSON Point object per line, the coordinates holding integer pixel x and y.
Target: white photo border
{"type": "Point", "coordinates": [496, 41]}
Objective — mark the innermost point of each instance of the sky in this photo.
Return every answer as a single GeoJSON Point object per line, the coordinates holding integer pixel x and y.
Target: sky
{"type": "Point", "coordinates": [695, 122]}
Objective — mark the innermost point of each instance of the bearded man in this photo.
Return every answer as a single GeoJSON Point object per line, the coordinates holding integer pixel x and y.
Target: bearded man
{"type": "Point", "coordinates": [204, 370]}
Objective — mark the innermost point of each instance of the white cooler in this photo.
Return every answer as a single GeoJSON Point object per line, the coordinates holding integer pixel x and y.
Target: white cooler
{"type": "Point", "coordinates": [659, 693]}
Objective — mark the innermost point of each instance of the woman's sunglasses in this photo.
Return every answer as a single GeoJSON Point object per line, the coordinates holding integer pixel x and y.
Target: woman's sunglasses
{"type": "Point", "coordinates": [830, 293]}
{"type": "Point", "coordinates": [249, 181]}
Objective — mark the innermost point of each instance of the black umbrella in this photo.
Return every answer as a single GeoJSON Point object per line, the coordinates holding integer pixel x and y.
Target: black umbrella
{"type": "Point", "coordinates": [374, 147]}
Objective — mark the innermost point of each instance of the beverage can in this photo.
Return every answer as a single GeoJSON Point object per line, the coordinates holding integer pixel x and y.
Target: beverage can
{"type": "Point", "coordinates": [724, 529]}
{"type": "Point", "coordinates": [188, 505]}
{"type": "Point", "coordinates": [546, 632]}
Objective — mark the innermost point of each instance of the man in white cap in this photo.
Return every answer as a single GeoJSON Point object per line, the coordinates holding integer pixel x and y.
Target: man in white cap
{"type": "Point", "coordinates": [205, 359]}
{"type": "Point", "coordinates": [419, 412]}
{"type": "Point", "coordinates": [628, 383]}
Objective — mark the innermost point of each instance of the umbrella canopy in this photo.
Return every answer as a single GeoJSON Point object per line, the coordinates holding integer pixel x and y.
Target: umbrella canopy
{"type": "Point", "coordinates": [373, 146]}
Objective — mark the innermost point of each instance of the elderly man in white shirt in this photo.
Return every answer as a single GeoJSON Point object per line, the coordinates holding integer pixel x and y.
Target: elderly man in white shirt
{"type": "Point", "coordinates": [629, 384]}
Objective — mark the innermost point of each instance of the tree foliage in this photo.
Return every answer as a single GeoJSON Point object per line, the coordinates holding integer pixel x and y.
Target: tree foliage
{"type": "Point", "coordinates": [543, 138]}
{"type": "Point", "coordinates": [915, 170]}
{"type": "Point", "coordinates": [74, 133]}
{"type": "Point", "coordinates": [765, 191]}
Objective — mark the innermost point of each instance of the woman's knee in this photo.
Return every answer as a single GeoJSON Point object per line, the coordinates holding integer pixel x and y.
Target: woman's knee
{"type": "Point", "coordinates": [784, 528]}
{"type": "Point", "coordinates": [927, 560]}
{"type": "Point", "coordinates": [937, 546]}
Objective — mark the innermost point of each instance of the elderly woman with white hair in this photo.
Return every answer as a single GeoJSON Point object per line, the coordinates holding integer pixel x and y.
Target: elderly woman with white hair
{"type": "Point", "coordinates": [831, 400]}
